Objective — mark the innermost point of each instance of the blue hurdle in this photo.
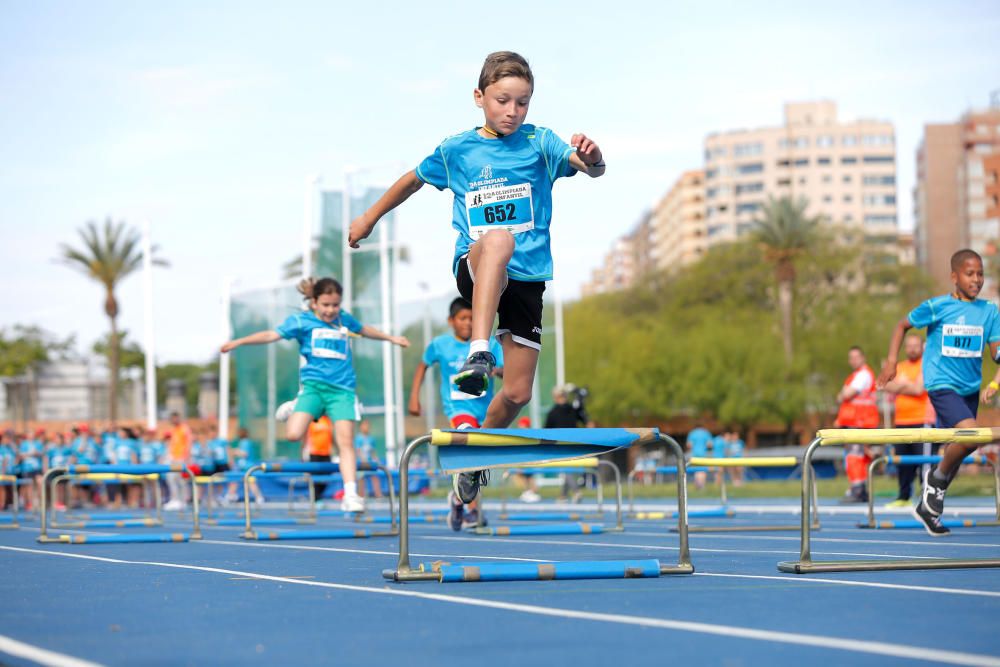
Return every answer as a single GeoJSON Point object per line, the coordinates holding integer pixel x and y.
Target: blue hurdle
{"type": "Point", "coordinates": [909, 459]}
{"type": "Point", "coordinates": [309, 469]}
{"type": "Point", "coordinates": [74, 520]}
{"type": "Point", "coordinates": [466, 450]}
{"type": "Point", "coordinates": [114, 469]}
{"type": "Point", "coordinates": [616, 569]}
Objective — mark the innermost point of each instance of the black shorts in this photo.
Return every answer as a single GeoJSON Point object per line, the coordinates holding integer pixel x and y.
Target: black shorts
{"type": "Point", "coordinates": [520, 309]}
{"type": "Point", "coordinates": [221, 467]}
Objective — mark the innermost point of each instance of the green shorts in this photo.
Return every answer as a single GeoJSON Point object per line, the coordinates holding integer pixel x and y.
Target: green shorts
{"type": "Point", "coordinates": [337, 403]}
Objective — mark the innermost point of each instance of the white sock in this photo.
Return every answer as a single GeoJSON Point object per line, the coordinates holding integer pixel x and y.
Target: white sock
{"type": "Point", "coordinates": [350, 488]}
{"type": "Point", "coordinates": [479, 345]}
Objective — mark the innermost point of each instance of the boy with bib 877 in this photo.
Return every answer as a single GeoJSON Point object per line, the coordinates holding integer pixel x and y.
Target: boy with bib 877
{"type": "Point", "coordinates": [501, 174]}
{"type": "Point", "coordinates": [958, 326]}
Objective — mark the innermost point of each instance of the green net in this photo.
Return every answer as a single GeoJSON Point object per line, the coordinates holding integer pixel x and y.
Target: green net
{"type": "Point", "coordinates": [268, 375]}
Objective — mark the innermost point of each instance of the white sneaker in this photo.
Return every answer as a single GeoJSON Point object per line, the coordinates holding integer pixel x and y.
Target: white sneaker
{"type": "Point", "coordinates": [260, 501]}
{"type": "Point", "coordinates": [530, 496]}
{"type": "Point", "coordinates": [353, 503]}
{"type": "Point", "coordinates": [173, 505]}
{"type": "Point", "coordinates": [284, 411]}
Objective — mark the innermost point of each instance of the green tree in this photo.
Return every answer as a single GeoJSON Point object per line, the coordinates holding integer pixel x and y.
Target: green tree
{"type": "Point", "coordinates": [22, 347]}
{"type": "Point", "coordinates": [131, 354]}
{"type": "Point", "coordinates": [108, 255]}
{"type": "Point", "coordinates": [784, 232]}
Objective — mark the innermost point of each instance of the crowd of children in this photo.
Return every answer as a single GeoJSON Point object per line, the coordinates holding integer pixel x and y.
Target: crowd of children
{"type": "Point", "coordinates": [28, 456]}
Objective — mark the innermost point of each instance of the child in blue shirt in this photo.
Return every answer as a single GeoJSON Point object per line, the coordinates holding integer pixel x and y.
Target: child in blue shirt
{"type": "Point", "coordinates": [501, 174]}
{"type": "Point", "coordinates": [449, 351]}
{"type": "Point", "coordinates": [959, 326]}
{"type": "Point", "coordinates": [328, 381]}
{"type": "Point", "coordinates": [697, 442]}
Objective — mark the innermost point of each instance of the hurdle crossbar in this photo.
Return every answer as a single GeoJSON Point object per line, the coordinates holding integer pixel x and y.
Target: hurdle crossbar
{"type": "Point", "coordinates": [405, 572]}
{"type": "Point", "coordinates": [828, 437]}
{"type": "Point", "coordinates": [310, 468]}
{"type": "Point", "coordinates": [906, 459]}
{"type": "Point", "coordinates": [123, 469]}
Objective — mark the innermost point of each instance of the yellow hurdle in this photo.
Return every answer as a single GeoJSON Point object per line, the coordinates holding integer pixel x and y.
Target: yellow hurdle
{"type": "Point", "coordinates": [745, 462]}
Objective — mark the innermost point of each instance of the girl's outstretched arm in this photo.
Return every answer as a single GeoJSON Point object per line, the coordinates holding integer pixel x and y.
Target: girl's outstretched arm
{"type": "Point", "coordinates": [259, 338]}
{"type": "Point", "coordinates": [397, 193]}
{"type": "Point", "coordinates": [375, 334]}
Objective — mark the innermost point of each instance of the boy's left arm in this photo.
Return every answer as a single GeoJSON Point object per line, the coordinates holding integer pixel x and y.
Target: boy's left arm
{"type": "Point", "coordinates": [587, 157]}
{"type": "Point", "coordinates": [991, 389]}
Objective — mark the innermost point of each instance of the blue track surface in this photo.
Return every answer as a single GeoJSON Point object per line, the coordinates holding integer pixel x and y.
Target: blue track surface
{"type": "Point", "coordinates": [224, 600]}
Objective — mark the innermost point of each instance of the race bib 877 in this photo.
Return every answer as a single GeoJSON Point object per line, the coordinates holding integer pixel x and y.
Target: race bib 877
{"type": "Point", "coordinates": [961, 340]}
{"type": "Point", "coordinates": [507, 207]}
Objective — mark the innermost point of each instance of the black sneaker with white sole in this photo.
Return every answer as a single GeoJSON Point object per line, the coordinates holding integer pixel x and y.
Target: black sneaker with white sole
{"type": "Point", "coordinates": [932, 496]}
{"type": "Point", "coordinates": [474, 377]}
{"type": "Point", "coordinates": [467, 484]}
{"type": "Point", "coordinates": [456, 512]}
{"type": "Point", "coordinates": [931, 522]}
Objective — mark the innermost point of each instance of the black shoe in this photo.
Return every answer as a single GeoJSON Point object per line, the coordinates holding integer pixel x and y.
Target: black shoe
{"type": "Point", "coordinates": [474, 378]}
{"type": "Point", "coordinates": [457, 510]}
{"type": "Point", "coordinates": [466, 484]}
{"type": "Point", "coordinates": [931, 522]}
{"type": "Point", "coordinates": [932, 495]}
{"type": "Point", "coordinates": [471, 520]}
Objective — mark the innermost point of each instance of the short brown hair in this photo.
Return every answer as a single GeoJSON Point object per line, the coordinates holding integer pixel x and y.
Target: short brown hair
{"type": "Point", "coordinates": [502, 64]}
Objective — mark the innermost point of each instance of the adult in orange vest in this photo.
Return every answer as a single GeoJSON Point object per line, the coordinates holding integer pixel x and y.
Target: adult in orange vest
{"type": "Point", "coordinates": [912, 411]}
{"type": "Point", "coordinates": [857, 410]}
{"type": "Point", "coordinates": [178, 451]}
{"type": "Point", "coordinates": [318, 445]}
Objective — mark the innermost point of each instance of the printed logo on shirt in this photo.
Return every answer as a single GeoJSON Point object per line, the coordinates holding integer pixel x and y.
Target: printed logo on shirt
{"type": "Point", "coordinates": [486, 173]}
{"type": "Point", "coordinates": [537, 330]}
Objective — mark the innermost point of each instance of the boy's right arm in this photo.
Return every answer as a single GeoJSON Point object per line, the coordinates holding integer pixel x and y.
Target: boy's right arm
{"type": "Point", "coordinates": [889, 365]}
{"type": "Point", "coordinates": [418, 381]}
{"type": "Point", "coordinates": [397, 193]}
{"type": "Point", "coordinates": [259, 338]}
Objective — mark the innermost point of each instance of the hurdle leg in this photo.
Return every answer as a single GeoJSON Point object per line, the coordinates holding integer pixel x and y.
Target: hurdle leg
{"type": "Point", "coordinates": [619, 523]}
{"type": "Point", "coordinates": [44, 505]}
{"type": "Point", "coordinates": [248, 528]}
{"type": "Point", "coordinates": [393, 525]}
{"type": "Point", "coordinates": [684, 565]}
{"type": "Point", "coordinates": [196, 532]}
{"type": "Point", "coordinates": [630, 479]}
{"type": "Point", "coordinates": [870, 486]}
{"type": "Point", "coordinates": [403, 571]}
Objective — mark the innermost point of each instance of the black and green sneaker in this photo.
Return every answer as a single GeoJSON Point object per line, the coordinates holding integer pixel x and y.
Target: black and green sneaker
{"type": "Point", "coordinates": [466, 484]}
{"type": "Point", "coordinates": [474, 377]}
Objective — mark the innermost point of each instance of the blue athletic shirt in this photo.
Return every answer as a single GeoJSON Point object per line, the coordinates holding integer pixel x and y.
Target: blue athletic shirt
{"type": "Point", "coordinates": [503, 183]}
{"type": "Point", "coordinates": [85, 450]}
{"type": "Point", "coordinates": [149, 451]}
{"type": "Point", "coordinates": [220, 450]}
{"type": "Point", "coordinates": [58, 456]}
{"type": "Point", "coordinates": [7, 460]}
{"type": "Point", "coordinates": [698, 440]}
{"type": "Point", "coordinates": [736, 448]}
{"type": "Point", "coordinates": [245, 445]}
{"type": "Point", "coordinates": [450, 353]}
{"type": "Point", "coordinates": [32, 451]}
{"type": "Point", "coordinates": [957, 331]}
{"type": "Point", "coordinates": [124, 449]}
{"type": "Point", "coordinates": [324, 346]}
{"type": "Point", "coordinates": [719, 447]}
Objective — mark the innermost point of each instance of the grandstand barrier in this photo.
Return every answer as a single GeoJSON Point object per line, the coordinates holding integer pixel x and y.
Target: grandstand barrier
{"type": "Point", "coordinates": [468, 450]}
{"type": "Point", "coordinates": [114, 469]}
{"type": "Point", "coordinates": [830, 437]}
{"type": "Point", "coordinates": [907, 459]}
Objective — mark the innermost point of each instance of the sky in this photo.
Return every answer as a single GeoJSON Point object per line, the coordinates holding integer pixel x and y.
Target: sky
{"type": "Point", "coordinates": [208, 119]}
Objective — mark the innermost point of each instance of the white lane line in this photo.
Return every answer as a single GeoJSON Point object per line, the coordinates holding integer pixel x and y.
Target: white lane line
{"type": "Point", "coordinates": [648, 547]}
{"type": "Point", "coordinates": [41, 655]}
{"type": "Point", "coordinates": [849, 644]}
{"type": "Point", "coordinates": [813, 537]}
{"type": "Point", "coordinates": [308, 547]}
{"type": "Point", "coordinates": [849, 582]}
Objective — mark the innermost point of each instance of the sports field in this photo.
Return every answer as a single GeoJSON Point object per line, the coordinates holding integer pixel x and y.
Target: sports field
{"type": "Point", "coordinates": [223, 600]}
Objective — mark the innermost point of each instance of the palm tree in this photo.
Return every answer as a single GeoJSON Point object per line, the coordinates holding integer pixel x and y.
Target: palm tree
{"type": "Point", "coordinates": [109, 254]}
{"type": "Point", "coordinates": [783, 231]}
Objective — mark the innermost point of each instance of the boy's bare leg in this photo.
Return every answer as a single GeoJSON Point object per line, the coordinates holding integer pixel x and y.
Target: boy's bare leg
{"type": "Point", "coordinates": [297, 425]}
{"type": "Point", "coordinates": [520, 362]}
{"type": "Point", "coordinates": [488, 259]}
